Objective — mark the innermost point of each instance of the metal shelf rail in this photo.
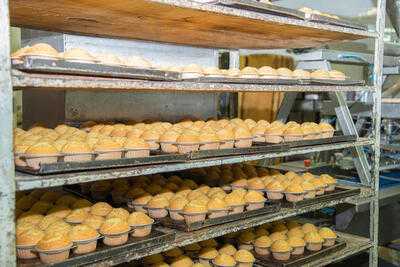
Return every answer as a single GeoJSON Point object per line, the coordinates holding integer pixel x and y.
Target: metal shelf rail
{"type": "Point", "coordinates": [201, 25]}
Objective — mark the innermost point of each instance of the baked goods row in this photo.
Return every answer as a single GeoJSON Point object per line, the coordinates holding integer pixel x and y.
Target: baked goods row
{"type": "Point", "coordinates": [101, 142]}
{"type": "Point", "coordinates": [42, 50]}
{"type": "Point", "coordinates": [280, 241]}
{"type": "Point", "coordinates": [50, 225]}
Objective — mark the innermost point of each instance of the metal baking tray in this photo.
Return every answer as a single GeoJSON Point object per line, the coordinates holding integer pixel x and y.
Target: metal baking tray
{"type": "Point", "coordinates": [270, 207]}
{"type": "Point", "coordinates": [103, 252]}
{"type": "Point", "coordinates": [33, 64]}
{"type": "Point", "coordinates": [323, 141]}
{"type": "Point", "coordinates": [254, 149]}
{"type": "Point", "coordinates": [346, 82]}
{"type": "Point", "coordinates": [62, 167]}
{"type": "Point", "coordinates": [339, 22]}
{"type": "Point", "coordinates": [259, 7]}
{"type": "Point", "coordinates": [339, 193]}
{"type": "Point", "coordinates": [300, 260]}
{"type": "Point", "coordinates": [243, 80]}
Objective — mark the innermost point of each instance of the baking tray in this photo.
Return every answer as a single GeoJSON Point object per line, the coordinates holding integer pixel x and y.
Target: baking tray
{"type": "Point", "coordinates": [339, 22]}
{"type": "Point", "coordinates": [339, 193]}
{"type": "Point", "coordinates": [252, 5]}
{"type": "Point", "coordinates": [33, 64]}
{"type": "Point", "coordinates": [103, 252]}
{"type": "Point", "coordinates": [307, 257]}
{"type": "Point", "coordinates": [254, 149]}
{"type": "Point", "coordinates": [322, 141]}
{"type": "Point", "coordinates": [270, 207]}
{"type": "Point", "coordinates": [62, 167]}
{"type": "Point", "coordinates": [243, 80]}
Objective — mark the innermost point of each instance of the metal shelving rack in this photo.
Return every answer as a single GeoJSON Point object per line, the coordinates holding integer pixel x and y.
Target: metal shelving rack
{"type": "Point", "coordinates": [199, 24]}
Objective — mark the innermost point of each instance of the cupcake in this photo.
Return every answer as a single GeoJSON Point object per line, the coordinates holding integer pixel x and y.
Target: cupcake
{"type": "Point", "coordinates": [152, 137]}
{"type": "Point", "coordinates": [136, 148]}
{"type": "Point", "coordinates": [244, 258]}
{"type": "Point", "coordinates": [320, 186]}
{"type": "Point", "coordinates": [168, 141]}
{"type": "Point", "coordinates": [107, 149]}
{"type": "Point", "coordinates": [274, 134]}
{"type": "Point", "coordinates": [118, 213]}
{"type": "Point", "coordinates": [309, 190]}
{"type": "Point", "coordinates": [173, 253]}
{"type": "Point", "coordinates": [248, 73]}
{"type": "Point", "coordinates": [141, 202]}
{"type": "Point", "coordinates": [194, 212]}
{"type": "Point", "coordinates": [268, 72]}
{"type": "Point", "coordinates": [242, 137]}
{"type": "Point", "coordinates": [236, 202]}
{"type": "Point", "coordinates": [274, 190]}
{"type": "Point", "coordinates": [101, 209]}
{"type": "Point", "coordinates": [26, 242]}
{"type": "Point", "coordinates": [294, 133]}
{"type": "Point", "coordinates": [157, 207]}
{"type": "Point", "coordinates": [217, 207]}
{"type": "Point", "coordinates": [182, 261]}
{"type": "Point", "coordinates": [82, 204]}
{"type": "Point", "coordinates": [296, 232]}
{"type": "Point", "coordinates": [54, 247]}
{"type": "Point", "coordinates": [285, 73]}
{"type": "Point", "coordinates": [208, 141]}
{"type": "Point", "coordinates": [207, 255]}
{"type": "Point", "coordinates": [280, 227]}
{"type": "Point", "coordinates": [76, 216]}
{"type": "Point", "coordinates": [140, 223]}
{"type": "Point", "coordinates": [255, 184]}
{"type": "Point", "coordinates": [76, 152]}
{"type": "Point", "coordinates": [328, 235]}
{"type": "Point", "coordinates": [308, 227]}
{"type": "Point", "coordinates": [226, 137]}
{"type": "Point", "coordinates": [301, 74]}
{"type": "Point", "coordinates": [115, 231]}
{"type": "Point", "coordinates": [224, 260]}
{"type": "Point", "coordinates": [94, 221]}
{"type": "Point", "coordinates": [84, 237]}
{"type": "Point", "coordinates": [188, 142]}
{"type": "Point", "coordinates": [294, 193]}
{"type": "Point", "coordinates": [326, 129]}
{"type": "Point", "coordinates": [175, 208]}
{"type": "Point", "coordinates": [281, 250]}
{"type": "Point", "coordinates": [330, 181]}
{"type": "Point", "coordinates": [314, 241]}
{"type": "Point", "coordinates": [255, 200]}
{"type": "Point", "coordinates": [262, 245]}
{"type": "Point", "coordinates": [246, 239]}
{"type": "Point", "coordinates": [297, 244]}
{"type": "Point", "coordinates": [41, 153]}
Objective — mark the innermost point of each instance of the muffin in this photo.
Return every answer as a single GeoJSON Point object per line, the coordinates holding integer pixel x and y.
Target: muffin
{"type": "Point", "coordinates": [157, 207]}
{"type": "Point", "coordinates": [182, 261]}
{"type": "Point", "coordinates": [54, 247]}
{"type": "Point", "coordinates": [194, 212]}
{"type": "Point", "coordinates": [280, 227]}
{"type": "Point", "coordinates": [168, 141]}
{"type": "Point", "coordinates": [330, 181]}
{"type": "Point", "coordinates": [192, 250]}
{"type": "Point", "coordinates": [301, 74]}
{"type": "Point", "coordinates": [328, 235]}
{"type": "Point", "coordinates": [82, 204]}
{"type": "Point", "coordinates": [277, 236]}
{"type": "Point", "coordinates": [262, 245]}
{"type": "Point", "coordinates": [41, 207]}
{"type": "Point", "coordinates": [217, 207]}
{"type": "Point", "coordinates": [26, 242]}
{"type": "Point", "coordinates": [118, 213]}
{"type": "Point", "coordinates": [140, 223]}
{"type": "Point", "coordinates": [236, 202]}
{"type": "Point", "coordinates": [242, 137]}
{"type": "Point", "coordinates": [208, 141]}
{"type": "Point", "coordinates": [192, 71]}
{"type": "Point", "coordinates": [77, 216]}
{"type": "Point", "coordinates": [314, 241]}
{"type": "Point", "coordinates": [175, 207]}
{"type": "Point", "coordinates": [246, 239]}
{"type": "Point", "coordinates": [115, 231]}
{"type": "Point", "coordinates": [107, 149]}
{"type": "Point", "coordinates": [41, 153]}
{"type": "Point", "coordinates": [85, 238]}
{"type": "Point", "coordinates": [309, 190]}
{"type": "Point", "coordinates": [294, 192]}
{"type": "Point", "coordinates": [101, 209]}
{"type": "Point", "coordinates": [274, 134]}
{"type": "Point", "coordinates": [255, 200]}
{"type": "Point", "coordinates": [140, 202]}
{"type": "Point", "coordinates": [94, 221]}
{"type": "Point", "coordinates": [42, 50]}
{"type": "Point", "coordinates": [207, 255]}
{"type": "Point", "coordinates": [255, 184]}
{"type": "Point", "coordinates": [224, 260]}
{"type": "Point", "coordinates": [153, 259]}
{"type": "Point", "coordinates": [244, 258]}
{"type": "Point", "coordinates": [248, 73]}
{"type": "Point", "coordinates": [188, 141]}
{"type": "Point", "coordinates": [59, 211]}
{"type": "Point", "coordinates": [226, 137]}
{"type": "Point", "coordinates": [320, 186]}
{"type": "Point", "coordinates": [208, 243]}
{"type": "Point", "coordinates": [136, 148]}
{"type": "Point", "coordinates": [294, 133]}
{"type": "Point", "coordinates": [337, 75]}
{"type": "Point", "coordinates": [326, 129]}
{"type": "Point", "coordinates": [297, 244]}
{"type": "Point", "coordinates": [285, 73]}
{"type": "Point", "coordinates": [173, 253]}
{"type": "Point", "coordinates": [258, 133]}
{"type": "Point", "coordinates": [296, 232]}
{"type": "Point", "coordinates": [281, 250]}
{"type": "Point", "coordinates": [320, 75]}
{"type": "Point", "coordinates": [274, 190]}
{"type": "Point", "coordinates": [268, 72]}
{"type": "Point", "coordinates": [75, 151]}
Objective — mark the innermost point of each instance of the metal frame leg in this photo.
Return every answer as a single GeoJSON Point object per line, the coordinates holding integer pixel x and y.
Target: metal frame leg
{"type": "Point", "coordinates": [286, 106]}
{"type": "Point", "coordinates": [7, 185]}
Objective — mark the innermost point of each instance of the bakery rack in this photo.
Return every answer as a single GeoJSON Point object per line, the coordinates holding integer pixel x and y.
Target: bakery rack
{"type": "Point", "coordinates": [183, 22]}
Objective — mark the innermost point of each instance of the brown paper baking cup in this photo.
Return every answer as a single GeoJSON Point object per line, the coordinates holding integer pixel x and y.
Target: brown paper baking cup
{"type": "Point", "coordinates": [26, 251]}
{"type": "Point", "coordinates": [86, 245]}
{"type": "Point", "coordinates": [141, 230]}
{"type": "Point", "coordinates": [136, 153]}
{"type": "Point", "coordinates": [77, 157]}
{"type": "Point", "coordinates": [55, 255]}
{"type": "Point", "coordinates": [34, 161]}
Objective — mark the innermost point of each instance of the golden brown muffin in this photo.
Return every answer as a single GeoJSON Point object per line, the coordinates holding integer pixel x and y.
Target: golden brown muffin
{"type": "Point", "coordinates": [94, 221]}
{"type": "Point", "coordinates": [255, 184]}
{"type": "Point", "coordinates": [41, 49]}
{"type": "Point", "coordinates": [42, 148]}
{"type": "Point", "coordinates": [82, 204]}
{"type": "Point", "coordinates": [142, 200]}
{"type": "Point", "coordinates": [285, 73]}
{"type": "Point", "coordinates": [295, 241]}
{"type": "Point", "coordinates": [66, 200]}
{"type": "Point", "coordinates": [249, 72]}
{"type": "Point", "coordinates": [114, 226]}
{"type": "Point", "coordinates": [247, 237]}
{"type": "Point", "coordinates": [208, 243]}
{"type": "Point", "coordinates": [136, 143]}
{"type": "Point", "coordinates": [295, 232]}
{"type": "Point", "coordinates": [59, 211]}
{"type": "Point", "coordinates": [174, 253]}
{"type": "Point", "coordinates": [280, 246]}
{"type": "Point", "coordinates": [23, 226]}
{"type": "Point", "coordinates": [320, 74]}
{"type": "Point", "coordinates": [254, 197]}
{"type": "Point", "coordinates": [177, 203]}
{"type": "Point", "coordinates": [47, 221]}
{"type": "Point", "coordinates": [280, 227]}
{"type": "Point", "coordinates": [277, 236]}
{"type": "Point", "coordinates": [182, 261]}
{"type": "Point", "coordinates": [313, 237]}
{"type": "Point", "coordinates": [30, 217]}
{"type": "Point", "coordinates": [242, 133]}
{"type": "Point", "coordinates": [152, 259]}
{"type": "Point", "coordinates": [216, 204]}
{"type": "Point", "coordinates": [308, 227]}
{"type": "Point", "coordinates": [82, 232]}
{"type": "Point", "coordinates": [41, 207]}
{"type": "Point", "coordinates": [158, 203]}
{"type": "Point", "coordinates": [208, 253]}
{"type": "Point", "coordinates": [100, 209]}
{"type": "Point", "coordinates": [139, 218]}
{"type": "Point", "coordinates": [326, 233]}
{"type": "Point", "coordinates": [29, 237]}
{"type": "Point", "coordinates": [106, 145]}
{"type": "Point", "coordinates": [76, 147]}
{"type": "Point", "coordinates": [301, 74]}
{"type": "Point", "coordinates": [118, 213]}
{"type": "Point", "coordinates": [224, 260]}
{"type": "Point", "coordinates": [267, 72]}
{"type": "Point", "coordinates": [77, 216]}
{"type": "Point", "coordinates": [234, 199]}
{"type": "Point", "coordinates": [233, 72]}
{"type": "Point", "coordinates": [54, 241]}
{"type": "Point", "coordinates": [195, 207]}
{"type": "Point", "coordinates": [244, 256]}
{"type": "Point", "coordinates": [294, 188]}
{"type": "Point", "coordinates": [263, 242]}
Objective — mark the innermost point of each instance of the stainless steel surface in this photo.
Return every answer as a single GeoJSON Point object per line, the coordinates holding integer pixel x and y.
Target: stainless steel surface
{"type": "Point", "coordinates": [25, 182]}
{"type": "Point", "coordinates": [393, 11]}
{"type": "Point", "coordinates": [286, 106]}
{"type": "Point", "coordinates": [7, 185]}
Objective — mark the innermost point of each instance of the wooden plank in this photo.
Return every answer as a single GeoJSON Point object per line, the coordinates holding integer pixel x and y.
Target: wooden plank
{"type": "Point", "coordinates": [180, 22]}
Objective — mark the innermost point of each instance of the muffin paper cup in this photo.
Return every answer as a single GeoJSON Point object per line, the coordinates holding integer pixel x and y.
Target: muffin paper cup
{"type": "Point", "coordinates": [136, 153]}
{"type": "Point", "coordinates": [169, 147]}
{"type": "Point", "coordinates": [140, 207]}
{"type": "Point", "coordinates": [141, 230]}
{"type": "Point", "coordinates": [243, 142]}
{"type": "Point", "coordinates": [34, 161]}
{"type": "Point", "coordinates": [157, 213]}
{"type": "Point", "coordinates": [328, 242]}
{"type": "Point", "coordinates": [77, 157]}
{"type": "Point", "coordinates": [273, 138]}
{"type": "Point", "coordinates": [18, 161]}
{"type": "Point", "coordinates": [262, 251]}
{"type": "Point", "coordinates": [108, 154]}
{"type": "Point", "coordinates": [194, 217]}
{"type": "Point", "coordinates": [275, 195]}
{"type": "Point", "coordinates": [259, 138]}
{"type": "Point", "coordinates": [248, 247]}
{"type": "Point", "coordinates": [236, 209]}
{"type": "Point", "coordinates": [314, 246]}
{"type": "Point", "coordinates": [209, 146]}
{"type": "Point", "coordinates": [309, 194]}
{"type": "Point", "coordinates": [298, 250]}
{"type": "Point", "coordinates": [320, 191]}
{"type": "Point", "coordinates": [85, 246]}
{"type": "Point", "coordinates": [184, 148]}
{"type": "Point", "coordinates": [116, 239]}
{"type": "Point", "coordinates": [55, 255]}
{"type": "Point", "coordinates": [176, 215]}
{"type": "Point", "coordinates": [255, 205]}
{"type": "Point", "coordinates": [191, 75]}
{"type": "Point", "coordinates": [216, 265]}
{"type": "Point", "coordinates": [225, 144]}
{"type": "Point", "coordinates": [217, 213]}
{"type": "Point", "coordinates": [26, 251]}
{"type": "Point", "coordinates": [281, 256]}
{"type": "Point", "coordinates": [293, 137]}
{"type": "Point", "coordinates": [294, 197]}
{"type": "Point", "coordinates": [154, 144]}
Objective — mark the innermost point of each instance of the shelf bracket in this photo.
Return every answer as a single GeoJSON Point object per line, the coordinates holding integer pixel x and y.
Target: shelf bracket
{"type": "Point", "coordinates": [348, 127]}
